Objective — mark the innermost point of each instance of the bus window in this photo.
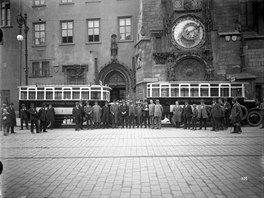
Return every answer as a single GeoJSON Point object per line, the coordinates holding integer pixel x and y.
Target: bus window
{"type": "Point", "coordinates": [204, 90]}
{"type": "Point", "coordinates": [214, 90]}
{"type": "Point", "coordinates": [40, 95]}
{"type": "Point", "coordinates": [66, 93]}
{"type": "Point", "coordinates": [164, 90]}
{"type": "Point", "coordinates": [194, 90]}
{"type": "Point", "coordinates": [174, 90]}
{"type": "Point", "coordinates": [224, 90]}
{"type": "Point", "coordinates": [23, 95]}
{"type": "Point", "coordinates": [95, 93]}
{"type": "Point", "coordinates": [49, 95]}
{"type": "Point", "coordinates": [184, 90]}
{"type": "Point", "coordinates": [85, 93]}
{"type": "Point", "coordinates": [148, 93]}
{"type": "Point", "coordinates": [58, 94]}
{"type": "Point", "coordinates": [104, 96]}
{"type": "Point", "coordinates": [236, 92]}
{"type": "Point", "coordinates": [32, 94]}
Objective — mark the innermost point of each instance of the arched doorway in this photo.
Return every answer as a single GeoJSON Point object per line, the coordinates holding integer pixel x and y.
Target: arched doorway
{"type": "Point", "coordinates": [118, 77]}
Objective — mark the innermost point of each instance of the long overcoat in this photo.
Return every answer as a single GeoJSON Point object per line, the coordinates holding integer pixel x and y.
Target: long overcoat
{"type": "Point", "coordinates": [177, 111]}
{"type": "Point", "coordinates": [97, 110]}
{"type": "Point", "coordinates": [50, 114]}
{"type": "Point", "coordinates": [158, 110]}
{"type": "Point", "coordinates": [12, 116]}
{"type": "Point", "coordinates": [202, 111]}
{"type": "Point", "coordinates": [236, 114]}
{"type": "Point", "coordinates": [114, 108]}
{"type": "Point", "coordinates": [105, 114]}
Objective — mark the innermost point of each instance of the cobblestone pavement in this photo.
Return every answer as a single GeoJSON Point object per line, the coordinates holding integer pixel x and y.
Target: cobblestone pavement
{"type": "Point", "coordinates": [133, 163]}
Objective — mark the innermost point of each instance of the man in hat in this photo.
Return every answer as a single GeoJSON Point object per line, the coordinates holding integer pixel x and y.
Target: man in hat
{"type": "Point", "coordinates": [158, 114]}
{"type": "Point", "coordinates": [114, 114]}
{"type": "Point", "coordinates": [123, 111]}
{"type": "Point", "coordinates": [33, 118]}
{"type": "Point", "coordinates": [12, 116]}
{"type": "Point", "coordinates": [105, 115]}
{"type": "Point", "coordinates": [202, 114]}
{"type": "Point", "coordinates": [227, 113]}
{"type": "Point", "coordinates": [151, 113]}
{"type": "Point", "coordinates": [23, 116]}
{"type": "Point", "coordinates": [82, 113]}
{"type": "Point", "coordinates": [236, 116]}
{"type": "Point", "coordinates": [88, 110]}
{"type": "Point", "coordinates": [145, 114]}
{"type": "Point", "coordinates": [76, 114]}
{"type": "Point", "coordinates": [43, 118]}
{"type": "Point", "coordinates": [131, 114]}
{"type": "Point", "coordinates": [216, 115]}
{"type": "Point", "coordinates": [188, 115]}
{"type": "Point", "coordinates": [97, 112]}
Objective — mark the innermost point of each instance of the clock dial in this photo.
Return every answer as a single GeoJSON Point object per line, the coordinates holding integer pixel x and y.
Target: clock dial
{"type": "Point", "coordinates": [188, 33]}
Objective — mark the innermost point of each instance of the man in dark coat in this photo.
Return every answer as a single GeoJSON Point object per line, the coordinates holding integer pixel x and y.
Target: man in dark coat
{"type": "Point", "coordinates": [12, 116]}
{"type": "Point", "coordinates": [227, 113]}
{"type": "Point", "coordinates": [43, 118]}
{"type": "Point", "coordinates": [88, 110]}
{"type": "Point", "coordinates": [50, 116]}
{"type": "Point", "coordinates": [76, 114]}
{"type": "Point", "coordinates": [123, 111]}
{"type": "Point", "coordinates": [145, 114]}
{"type": "Point", "coordinates": [236, 116]}
{"type": "Point", "coordinates": [105, 115]}
{"type": "Point", "coordinates": [202, 114]}
{"type": "Point", "coordinates": [261, 106]}
{"type": "Point", "coordinates": [33, 118]}
{"type": "Point", "coordinates": [216, 115]}
{"type": "Point", "coordinates": [82, 114]}
{"type": "Point", "coordinates": [131, 115]}
{"type": "Point", "coordinates": [114, 114]}
{"type": "Point", "coordinates": [138, 114]}
{"type": "Point", "coordinates": [187, 115]}
{"type": "Point", "coordinates": [23, 116]}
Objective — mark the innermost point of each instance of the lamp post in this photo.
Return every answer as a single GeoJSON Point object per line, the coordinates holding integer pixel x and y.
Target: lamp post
{"type": "Point", "coordinates": [23, 21]}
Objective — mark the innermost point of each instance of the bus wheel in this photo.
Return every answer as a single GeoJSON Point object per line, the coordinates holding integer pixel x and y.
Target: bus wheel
{"type": "Point", "coordinates": [245, 112]}
{"type": "Point", "coordinates": [254, 118]}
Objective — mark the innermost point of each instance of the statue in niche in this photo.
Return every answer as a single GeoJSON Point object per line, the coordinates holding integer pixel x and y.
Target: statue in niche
{"type": "Point", "coordinates": [114, 47]}
{"type": "Point", "coordinates": [170, 69]}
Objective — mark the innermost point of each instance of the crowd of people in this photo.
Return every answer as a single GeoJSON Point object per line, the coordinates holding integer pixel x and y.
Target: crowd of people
{"type": "Point", "coordinates": [129, 114]}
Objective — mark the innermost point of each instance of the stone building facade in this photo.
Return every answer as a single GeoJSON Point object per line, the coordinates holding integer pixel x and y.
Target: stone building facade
{"type": "Point", "coordinates": [226, 43]}
{"type": "Point", "coordinates": [128, 43]}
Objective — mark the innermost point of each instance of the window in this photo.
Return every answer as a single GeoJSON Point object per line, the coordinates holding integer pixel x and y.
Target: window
{"type": "Point", "coordinates": [5, 13]}
{"type": "Point", "coordinates": [67, 31]}
{"type": "Point", "coordinates": [39, 2]}
{"type": "Point", "coordinates": [40, 69]}
{"type": "Point", "coordinates": [158, 44]}
{"type": "Point", "coordinates": [66, 1]}
{"type": "Point", "coordinates": [125, 29]}
{"type": "Point", "coordinates": [39, 33]}
{"type": "Point", "coordinates": [93, 30]}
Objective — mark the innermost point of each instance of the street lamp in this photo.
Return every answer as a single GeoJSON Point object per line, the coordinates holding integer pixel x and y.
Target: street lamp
{"type": "Point", "coordinates": [23, 21]}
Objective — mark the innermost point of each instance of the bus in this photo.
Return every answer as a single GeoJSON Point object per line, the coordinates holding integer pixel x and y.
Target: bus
{"type": "Point", "coordinates": [62, 97]}
{"type": "Point", "coordinates": [194, 91]}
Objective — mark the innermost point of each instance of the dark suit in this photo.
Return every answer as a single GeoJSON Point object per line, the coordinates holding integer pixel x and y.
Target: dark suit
{"type": "Point", "coordinates": [12, 116]}
{"type": "Point", "coordinates": [123, 111]}
{"type": "Point", "coordinates": [188, 116]}
{"type": "Point", "coordinates": [76, 114]}
{"type": "Point", "coordinates": [43, 119]}
{"type": "Point", "coordinates": [81, 116]}
{"type": "Point", "coordinates": [33, 119]}
{"type": "Point", "coordinates": [24, 117]}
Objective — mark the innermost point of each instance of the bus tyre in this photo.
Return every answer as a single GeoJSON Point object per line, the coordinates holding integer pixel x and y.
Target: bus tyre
{"type": "Point", "coordinates": [254, 118]}
{"type": "Point", "coordinates": [244, 112]}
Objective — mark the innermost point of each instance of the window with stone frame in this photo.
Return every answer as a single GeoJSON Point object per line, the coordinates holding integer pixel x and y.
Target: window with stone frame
{"type": "Point", "coordinates": [5, 13]}
{"type": "Point", "coordinates": [39, 33]}
{"type": "Point", "coordinates": [67, 31]}
{"type": "Point", "coordinates": [40, 69]}
{"type": "Point", "coordinates": [39, 2]}
{"type": "Point", "coordinates": [93, 30]}
{"type": "Point", "coordinates": [125, 28]}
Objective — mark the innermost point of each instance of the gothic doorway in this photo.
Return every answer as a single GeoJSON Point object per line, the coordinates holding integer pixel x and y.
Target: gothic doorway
{"type": "Point", "coordinates": [118, 77]}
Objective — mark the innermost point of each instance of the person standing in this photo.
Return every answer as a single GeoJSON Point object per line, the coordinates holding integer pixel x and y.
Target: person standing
{"type": "Point", "coordinates": [33, 118]}
{"type": "Point", "coordinates": [151, 113]}
{"type": "Point", "coordinates": [145, 114]}
{"type": "Point", "coordinates": [216, 115]}
{"type": "Point", "coordinates": [227, 113]}
{"type": "Point", "coordinates": [114, 114]}
{"type": "Point", "coordinates": [139, 114]}
{"type": "Point", "coordinates": [261, 106]}
{"type": "Point", "coordinates": [5, 121]}
{"type": "Point", "coordinates": [188, 115]}
{"type": "Point", "coordinates": [202, 114]}
{"type": "Point", "coordinates": [158, 114]}
{"type": "Point", "coordinates": [123, 111]}
{"type": "Point", "coordinates": [76, 114]}
{"type": "Point", "coordinates": [222, 116]}
{"type": "Point", "coordinates": [23, 116]}
{"type": "Point", "coordinates": [177, 114]}
{"type": "Point", "coordinates": [12, 116]}
{"type": "Point", "coordinates": [43, 118]}
{"type": "Point", "coordinates": [97, 111]}
{"type": "Point", "coordinates": [236, 115]}
{"type": "Point", "coordinates": [50, 116]}
{"type": "Point", "coordinates": [131, 114]}
{"type": "Point", "coordinates": [88, 110]}
{"type": "Point", "coordinates": [105, 115]}
{"type": "Point", "coordinates": [194, 117]}
{"type": "Point", "coordinates": [82, 114]}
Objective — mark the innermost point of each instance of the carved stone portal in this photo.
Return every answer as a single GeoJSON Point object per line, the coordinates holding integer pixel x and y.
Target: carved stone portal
{"type": "Point", "coordinates": [187, 69]}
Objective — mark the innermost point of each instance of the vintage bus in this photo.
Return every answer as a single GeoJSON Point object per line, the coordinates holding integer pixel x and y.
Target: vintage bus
{"type": "Point", "coordinates": [194, 91]}
{"type": "Point", "coordinates": [62, 97]}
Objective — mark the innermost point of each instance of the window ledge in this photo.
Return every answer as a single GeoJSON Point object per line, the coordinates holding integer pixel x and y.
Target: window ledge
{"type": "Point", "coordinates": [37, 6]}
{"type": "Point", "coordinates": [66, 44]}
{"type": "Point", "coordinates": [92, 43]}
{"type": "Point", "coordinates": [70, 3]}
{"type": "Point", "coordinates": [40, 76]}
{"type": "Point", "coordinates": [93, 1]}
{"type": "Point", "coordinates": [39, 45]}
{"type": "Point", "coordinates": [6, 26]}
{"type": "Point", "coordinates": [125, 41]}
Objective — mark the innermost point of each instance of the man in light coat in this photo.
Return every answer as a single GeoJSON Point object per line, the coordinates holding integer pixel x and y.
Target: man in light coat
{"type": "Point", "coordinates": [202, 114]}
{"type": "Point", "coordinates": [151, 113]}
{"type": "Point", "coordinates": [177, 114]}
{"type": "Point", "coordinates": [158, 114]}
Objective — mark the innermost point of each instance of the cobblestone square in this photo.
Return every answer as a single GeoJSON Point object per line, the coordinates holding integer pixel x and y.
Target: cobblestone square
{"type": "Point", "coordinates": [133, 163]}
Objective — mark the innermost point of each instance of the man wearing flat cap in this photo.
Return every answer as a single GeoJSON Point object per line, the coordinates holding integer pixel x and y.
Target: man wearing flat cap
{"type": "Point", "coordinates": [236, 116]}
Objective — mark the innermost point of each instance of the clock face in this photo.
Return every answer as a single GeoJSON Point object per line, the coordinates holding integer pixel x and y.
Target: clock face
{"type": "Point", "coordinates": [188, 33]}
